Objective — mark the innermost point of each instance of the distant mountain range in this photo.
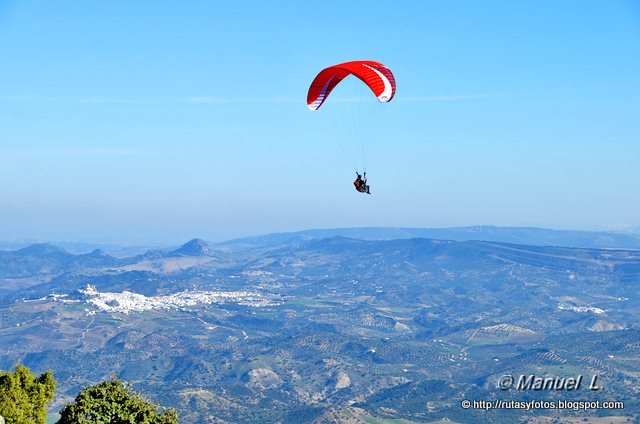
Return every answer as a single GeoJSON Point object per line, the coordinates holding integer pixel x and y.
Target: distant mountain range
{"type": "Point", "coordinates": [46, 259]}
{"type": "Point", "coordinates": [43, 258]}
{"type": "Point", "coordinates": [118, 250]}
{"type": "Point", "coordinates": [518, 235]}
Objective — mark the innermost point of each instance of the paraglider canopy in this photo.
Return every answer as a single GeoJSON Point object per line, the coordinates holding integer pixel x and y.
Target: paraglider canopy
{"type": "Point", "coordinates": [374, 74]}
{"type": "Point", "coordinates": [354, 118]}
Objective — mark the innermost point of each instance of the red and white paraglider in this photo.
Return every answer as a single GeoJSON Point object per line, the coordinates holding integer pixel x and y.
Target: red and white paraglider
{"type": "Point", "coordinates": [375, 75]}
{"type": "Point", "coordinates": [356, 115]}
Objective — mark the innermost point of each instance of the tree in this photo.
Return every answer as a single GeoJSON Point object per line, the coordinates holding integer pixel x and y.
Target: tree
{"type": "Point", "coordinates": [23, 397]}
{"type": "Point", "coordinates": [114, 402]}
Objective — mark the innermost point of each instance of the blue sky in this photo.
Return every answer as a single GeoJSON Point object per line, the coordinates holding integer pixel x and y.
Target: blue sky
{"type": "Point", "coordinates": [153, 121]}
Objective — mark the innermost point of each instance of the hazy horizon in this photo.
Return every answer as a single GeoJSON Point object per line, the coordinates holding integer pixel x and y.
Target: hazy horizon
{"type": "Point", "coordinates": [179, 241]}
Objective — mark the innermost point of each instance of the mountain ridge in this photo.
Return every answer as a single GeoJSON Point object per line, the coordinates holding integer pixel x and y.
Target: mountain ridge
{"type": "Point", "coordinates": [518, 235]}
{"type": "Point", "coordinates": [535, 236]}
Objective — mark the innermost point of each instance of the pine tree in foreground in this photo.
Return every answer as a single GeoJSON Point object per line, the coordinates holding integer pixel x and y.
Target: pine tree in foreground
{"type": "Point", "coordinates": [24, 397]}
{"type": "Point", "coordinates": [114, 402]}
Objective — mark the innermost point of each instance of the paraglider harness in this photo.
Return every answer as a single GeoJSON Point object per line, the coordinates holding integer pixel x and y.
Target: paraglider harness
{"type": "Point", "coordinates": [361, 183]}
